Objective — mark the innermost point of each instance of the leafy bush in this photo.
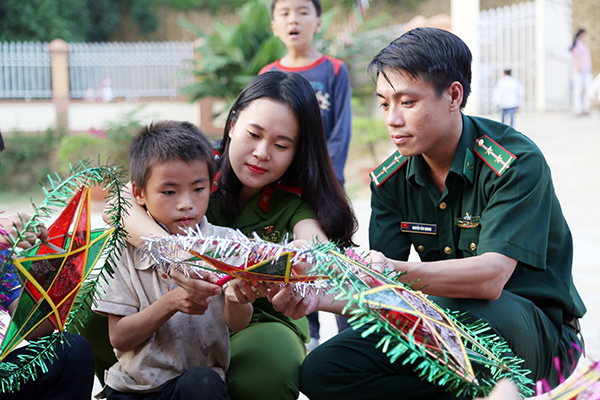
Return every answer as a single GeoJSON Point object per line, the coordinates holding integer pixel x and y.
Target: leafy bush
{"type": "Point", "coordinates": [232, 55]}
{"type": "Point", "coordinates": [99, 147]}
{"type": "Point", "coordinates": [28, 159]}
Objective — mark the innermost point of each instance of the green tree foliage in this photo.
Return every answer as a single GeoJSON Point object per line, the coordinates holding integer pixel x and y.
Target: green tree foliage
{"type": "Point", "coordinates": [211, 5]}
{"type": "Point", "coordinates": [43, 20]}
{"type": "Point", "coordinates": [70, 20]}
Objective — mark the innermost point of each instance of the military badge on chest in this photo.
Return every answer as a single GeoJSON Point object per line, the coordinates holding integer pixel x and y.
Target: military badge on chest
{"type": "Point", "coordinates": [468, 221]}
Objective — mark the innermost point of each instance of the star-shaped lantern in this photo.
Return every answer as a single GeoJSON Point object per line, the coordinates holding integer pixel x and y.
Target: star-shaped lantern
{"type": "Point", "coordinates": [51, 275]}
{"type": "Point", "coordinates": [414, 326]}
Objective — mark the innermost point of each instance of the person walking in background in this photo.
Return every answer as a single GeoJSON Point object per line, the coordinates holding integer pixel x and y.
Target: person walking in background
{"type": "Point", "coordinates": [594, 91]}
{"type": "Point", "coordinates": [295, 23]}
{"type": "Point", "coordinates": [582, 73]}
{"type": "Point", "coordinates": [508, 95]}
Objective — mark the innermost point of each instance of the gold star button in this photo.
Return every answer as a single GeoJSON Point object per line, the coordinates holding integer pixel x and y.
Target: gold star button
{"type": "Point", "coordinates": [443, 206]}
{"type": "Point", "coordinates": [420, 248]}
{"type": "Point", "coordinates": [447, 250]}
{"type": "Point", "coordinates": [266, 199]}
{"type": "Point", "coordinates": [473, 246]}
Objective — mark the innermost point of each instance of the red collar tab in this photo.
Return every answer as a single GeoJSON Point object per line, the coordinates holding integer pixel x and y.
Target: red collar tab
{"type": "Point", "coordinates": [215, 183]}
{"type": "Point", "coordinates": [265, 199]}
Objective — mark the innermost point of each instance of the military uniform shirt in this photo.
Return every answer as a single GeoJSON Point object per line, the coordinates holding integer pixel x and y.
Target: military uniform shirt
{"type": "Point", "coordinates": [516, 214]}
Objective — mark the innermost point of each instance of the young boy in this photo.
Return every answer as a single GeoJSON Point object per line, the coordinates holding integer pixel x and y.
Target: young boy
{"type": "Point", "coordinates": [295, 23]}
{"type": "Point", "coordinates": [170, 343]}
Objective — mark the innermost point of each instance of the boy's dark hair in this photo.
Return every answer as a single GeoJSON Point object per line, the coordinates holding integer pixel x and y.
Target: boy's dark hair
{"type": "Point", "coordinates": [1, 142]}
{"type": "Point", "coordinates": [434, 55]}
{"type": "Point", "coordinates": [316, 3]}
{"type": "Point", "coordinates": [508, 71]}
{"type": "Point", "coordinates": [164, 141]}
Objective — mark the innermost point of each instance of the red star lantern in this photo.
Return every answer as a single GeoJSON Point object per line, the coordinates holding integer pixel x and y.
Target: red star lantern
{"type": "Point", "coordinates": [50, 278]}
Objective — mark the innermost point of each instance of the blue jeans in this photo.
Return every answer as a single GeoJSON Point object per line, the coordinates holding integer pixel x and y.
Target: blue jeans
{"type": "Point", "coordinates": [198, 383]}
{"type": "Point", "coordinates": [511, 113]}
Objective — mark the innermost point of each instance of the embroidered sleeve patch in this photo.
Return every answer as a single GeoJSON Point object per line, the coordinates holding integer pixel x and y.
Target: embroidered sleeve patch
{"type": "Point", "coordinates": [495, 156]}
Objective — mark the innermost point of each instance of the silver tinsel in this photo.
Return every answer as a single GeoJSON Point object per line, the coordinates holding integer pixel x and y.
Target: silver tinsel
{"type": "Point", "coordinates": [172, 252]}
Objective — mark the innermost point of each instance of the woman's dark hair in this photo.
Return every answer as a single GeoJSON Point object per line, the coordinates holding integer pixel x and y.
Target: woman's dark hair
{"type": "Point", "coordinates": [434, 55]}
{"type": "Point", "coordinates": [311, 167]}
{"type": "Point", "coordinates": [579, 33]}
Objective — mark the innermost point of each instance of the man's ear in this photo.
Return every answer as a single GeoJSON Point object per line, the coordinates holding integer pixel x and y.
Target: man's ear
{"type": "Point", "coordinates": [138, 194]}
{"type": "Point", "coordinates": [455, 91]}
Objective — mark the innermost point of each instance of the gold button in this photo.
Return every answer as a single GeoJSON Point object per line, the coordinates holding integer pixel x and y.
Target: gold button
{"type": "Point", "coordinates": [447, 250]}
{"type": "Point", "coordinates": [420, 248]}
{"type": "Point", "coordinates": [443, 206]}
{"type": "Point", "coordinates": [473, 246]}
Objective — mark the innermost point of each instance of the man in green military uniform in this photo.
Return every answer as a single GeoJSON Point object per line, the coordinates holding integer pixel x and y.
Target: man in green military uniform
{"type": "Point", "coordinates": [476, 200]}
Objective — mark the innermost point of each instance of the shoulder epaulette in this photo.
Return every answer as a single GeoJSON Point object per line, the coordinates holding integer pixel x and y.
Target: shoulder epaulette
{"type": "Point", "coordinates": [387, 168]}
{"type": "Point", "coordinates": [495, 156]}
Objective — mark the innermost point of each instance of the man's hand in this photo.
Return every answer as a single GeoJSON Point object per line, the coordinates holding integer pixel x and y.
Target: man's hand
{"type": "Point", "coordinates": [291, 304]}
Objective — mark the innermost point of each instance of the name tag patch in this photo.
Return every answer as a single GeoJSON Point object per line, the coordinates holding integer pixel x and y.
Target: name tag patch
{"type": "Point", "coordinates": [416, 227]}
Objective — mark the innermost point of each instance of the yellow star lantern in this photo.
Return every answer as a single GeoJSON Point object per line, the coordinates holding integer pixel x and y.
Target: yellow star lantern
{"type": "Point", "coordinates": [52, 274]}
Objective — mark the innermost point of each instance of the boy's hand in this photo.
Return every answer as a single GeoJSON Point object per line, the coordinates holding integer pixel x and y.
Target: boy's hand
{"type": "Point", "coordinates": [186, 303]}
{"type": "Point", "coordinates": [198, 291]}
{"type": "Point", "coordinates": [246, 292]}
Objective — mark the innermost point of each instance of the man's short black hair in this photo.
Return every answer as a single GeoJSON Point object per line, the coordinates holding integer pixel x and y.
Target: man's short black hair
{"type": "Point", "coordinates": [164, 141]}
{"type": "Point", "coordinates": [434, 55]}
{"type": "Point", "coordinates": [316, 3]}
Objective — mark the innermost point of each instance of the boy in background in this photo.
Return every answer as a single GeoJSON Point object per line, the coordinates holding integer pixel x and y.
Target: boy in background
{"type": "Point", "coordinates": [170, 343]}
{"type": "Point", "coordinates": [295, 23]}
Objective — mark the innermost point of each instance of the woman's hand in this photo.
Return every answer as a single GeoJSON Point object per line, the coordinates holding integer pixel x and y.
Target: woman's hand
{"type": "Point", "coordinates": [246, 292]}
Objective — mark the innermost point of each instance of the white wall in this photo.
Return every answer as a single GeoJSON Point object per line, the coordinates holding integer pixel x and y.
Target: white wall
{"type": "Point", "coordinates": [26, 116]}
{"type": "Point", "coordinates": [85, 115]}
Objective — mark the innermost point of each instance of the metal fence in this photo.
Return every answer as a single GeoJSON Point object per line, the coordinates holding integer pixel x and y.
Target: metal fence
{"type": "Point", "coordinates": [24, 70]}
{"type": "Point", "coordinates": [507, 38]}
{"type": "Point", "coordinates": [130, 70]}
